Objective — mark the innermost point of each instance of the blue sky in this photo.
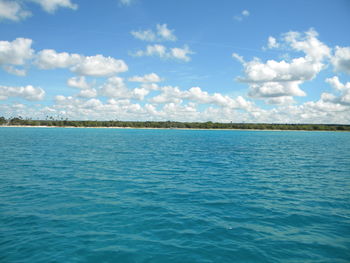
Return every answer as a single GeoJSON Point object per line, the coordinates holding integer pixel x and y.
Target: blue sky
{"type": "Point", "coordinates": [240, 61]}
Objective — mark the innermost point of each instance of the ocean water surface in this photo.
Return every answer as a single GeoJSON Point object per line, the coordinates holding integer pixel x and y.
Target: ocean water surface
{"type": "Point", "coordinates": [137, 195]}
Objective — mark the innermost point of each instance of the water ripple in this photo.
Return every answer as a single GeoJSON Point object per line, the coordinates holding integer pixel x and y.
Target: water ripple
{"type": "Point", "coordinates": [104, 195]}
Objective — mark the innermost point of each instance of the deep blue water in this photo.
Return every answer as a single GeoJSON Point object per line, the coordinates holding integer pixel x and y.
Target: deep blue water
{"type": "Point", "coordinates": [113, 195]}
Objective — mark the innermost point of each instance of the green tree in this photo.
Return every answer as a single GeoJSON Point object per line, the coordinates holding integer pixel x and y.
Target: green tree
{"type": "Point", "coordinates": [3, 121]}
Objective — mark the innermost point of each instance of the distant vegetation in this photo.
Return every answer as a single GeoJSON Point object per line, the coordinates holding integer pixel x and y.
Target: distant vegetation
{"type": "Point", "coordinates": [172, 124]}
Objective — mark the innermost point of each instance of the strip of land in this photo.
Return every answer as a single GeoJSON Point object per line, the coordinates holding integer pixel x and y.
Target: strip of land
{"type": "Point", "coordinates": [170, 125]}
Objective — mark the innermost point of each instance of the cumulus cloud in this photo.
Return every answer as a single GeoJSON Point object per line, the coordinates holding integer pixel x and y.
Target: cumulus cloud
{"type": "Point", "coordinates": [341, 59]}
{"type": "Point", "coordinates": [284, 100]}
{"type": "Point", "coordinates": [76, 108]}
{"type": "Point", "coordinates": [50, 59]}
{"type": "Point", "coordinates": [193, 104]}
{"type": "Point", "coordinates": [15, 71]}
{"type": "Point", "coordinates": [242, 15]}
{"type": "Point", "coordinates": [12, 10]}
{"type": "Point", "coordinates": [238, 58]}
{"type": "Point", "coordinates": [245, 13]}
{"type": "Point", "coordinates": [182, 54]}
{"type": "Point", "coordinates": [28, 93]}
{"type": "Point", "coordinates": [168, 94]}
{"type": "Point", "coordinates": [124, 109]}
{"type": "Point", "coordinates": [197, 95]}
{"type": "Point", "coordinates": [51, 6]}
{"type": "Point", "coordinates": [115, 88]}
{"type": "Point", "coordinates": [281, 80]}
{"type": "Point", "coordinates": [139, 93]}
{"type": "Point", "coordinates": [126, 2]}
{"type": "Point", "coordinates": [343, 90]}
{"type": "Point", "coordinates": [278, 78]}
{"type": "Point", "coordinates": [162, 33]}
{"type": "Point", "coordinates": [152, 77]}
{"type": "Point", "coordinates": [78, 82]}
{"type": "Point", "coordinates": [88, 93]}
{"type": "Point", "coordinates": [15, 53]}
{"type": "Point", "coordinates": [272, 42]}
{"type": "Point", "coordinates": [152, 50]}
{"type": "Point", "coordinates": [150, 86]}
{"type": "Point", "coordinates": [145, 35]}
{"type": "Point", "coordinates": [98, 65]}
{"type": "Point", "coordinates": [171, 94]}
{"type": "Point", "coordinates": [170, 110]}
{"type": "Point", "coordinates": [308, 43]}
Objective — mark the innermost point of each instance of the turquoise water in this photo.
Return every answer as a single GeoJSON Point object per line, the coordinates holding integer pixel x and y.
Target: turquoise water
{"type": "Point", "coordinates": [111, 195]}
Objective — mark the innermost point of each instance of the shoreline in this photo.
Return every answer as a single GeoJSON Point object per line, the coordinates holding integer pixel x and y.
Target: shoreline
{"type": "Point", "coordinates": [154, 128]}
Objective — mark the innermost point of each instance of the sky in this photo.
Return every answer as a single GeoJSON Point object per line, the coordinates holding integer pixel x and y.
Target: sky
{"type": "Point", "coordinates": [271, 61]}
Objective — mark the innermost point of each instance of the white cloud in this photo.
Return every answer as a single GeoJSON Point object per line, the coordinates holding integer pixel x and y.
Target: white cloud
{"type": "Point", "coordinates": [165, 53]}
{"type": "Point", "coordinates": [242, 15]}
{"type": "Point", "coordinates": [50, 59]}
{"type": "Point", "coordinates": [78, 82]}
{"type": "Point", "coordinates": [197, 95]}
{"type": "Point", "coordinates": [174, 111]}
{"type": "Point", "coordinates": [88, 93]}
{"type": "Point", "coordinates": [98, 65]}
{"type": "Point", "coordinates": [116, 88]}
{"type": "Point", "coordinates": [245, 13]}
{"type": "Point", "coordinates": [171, 94]}
{"type": "Point", "coordinates": [336, 84]}
{"type": "Point", "coordinates": [190, 108]}
{"type": "Point", "coordinates": [238, 58]}
{"type": "Point", "coordinates": [308, 43]}
{"type": "Point", "coordinates": [152, 50]}
{"type": "Point", "coordinates": [12, 10]}
{"type": "Point", "coordinates": [341, 59]}
{"type": "Point", "coordinates": [94, 109]}
{"type": "Point", "coordinates": [275, 89]}
{"type": "Point", "coordinates": [139, 93]}
{"type": "Point", "coordinates": [152, 77]}
{"type": "Point", "coordinates": [150, 86]}
{"type": "Point", "coordinates": [28, 93]}
{"type": "Point", "coordinates": [16, 52]}
{"type": "Point", "coordinates": [165, 33]}
{"type": "Point", "coordinates": [181, 53]}
{"type": "Point", "coordinates": [162, 33]}
{"type": "Point", "coordinates": [51, 6]}
{"type": "Point", "coordinates": [13, 70]}
{"type": "Point", "coordinates": [146, 35]}
{"type": "Point", "coordinates": [343, 89]}
{"type": "Point", "coordinates": [272, 42]}
{"type": "Point", "coordinates": [60, 99]}
{"type": "Point", "coordinates": [126, 2]}
{"type": "Point", "coordinates": [280, 79]}
{"type": "Point", "coordinates": [285, 100]}
{"type": "Point", "coordinates": [168, 94]}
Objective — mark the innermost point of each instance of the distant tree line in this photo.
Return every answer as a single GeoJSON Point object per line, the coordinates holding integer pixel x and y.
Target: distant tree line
{"type": "Point", "coordinates": [172, 124]}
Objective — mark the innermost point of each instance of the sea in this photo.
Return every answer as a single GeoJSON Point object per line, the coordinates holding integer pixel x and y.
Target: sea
{"type": "Point", "coordinates": [153, 195]}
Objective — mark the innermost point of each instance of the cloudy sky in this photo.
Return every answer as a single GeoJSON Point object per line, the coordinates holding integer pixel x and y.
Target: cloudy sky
{"type": "Point", "coordinates": [270, 61]}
